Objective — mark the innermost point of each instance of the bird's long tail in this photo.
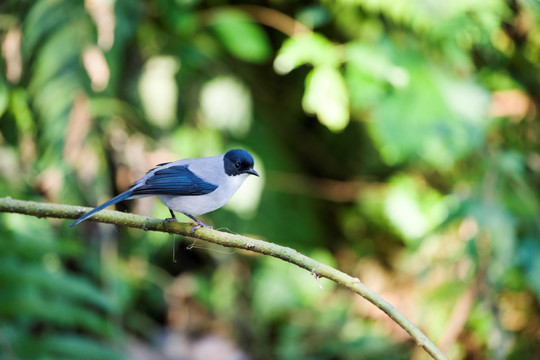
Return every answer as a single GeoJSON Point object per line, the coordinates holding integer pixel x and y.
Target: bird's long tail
{"type": "Point", "coordinates": [114, 200]}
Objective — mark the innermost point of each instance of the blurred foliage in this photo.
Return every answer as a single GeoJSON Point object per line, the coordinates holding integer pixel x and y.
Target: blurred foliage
{"type": "Point", "coordinates": [398, 141]}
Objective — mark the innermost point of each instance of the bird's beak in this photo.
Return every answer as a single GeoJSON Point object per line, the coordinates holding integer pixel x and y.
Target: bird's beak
{"type": "Point", "coordinates": [252, 172]}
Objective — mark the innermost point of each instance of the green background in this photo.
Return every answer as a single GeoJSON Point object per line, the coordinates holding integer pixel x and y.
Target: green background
{"type": "Point", "coordinates": [397, 141]}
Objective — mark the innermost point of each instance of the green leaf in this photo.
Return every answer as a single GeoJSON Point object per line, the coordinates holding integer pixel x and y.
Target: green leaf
{"type": "Point", "coordinates": [312, 48]}
{"type": "Point", "coordinates": [326, 96]}
{"type": "Point", "coordinates": [55, 58]}
{"type": "Point", "coordinates": [22, 112]}
{"type": "Point", "coordinates": [53, 310]}
{"type": "Point", "coordinates": [529, 258]}
{"type": "Point", "coordinates": [241, 36]}
{"type": "Point", "coordinates": [44, 17]}
{"type": "Point", "coordinates": [4, 95]}
{"type": "Point", "coordinates": [61, 346]}
{"type": "Point", "coordinates": [432, 115]}
{"type": "Point", "coordinates": [368, 72]}
{"type": "Point", "coordinates": [78, 347]}
{"type": "Point", "coordinates": [413, 208]}
{"type": "Point", "coordinates": [314, 16]}
{"type": "Point", "coordinates": [370, 60]}
{"type": "Point", "coordinates": [64, 285]}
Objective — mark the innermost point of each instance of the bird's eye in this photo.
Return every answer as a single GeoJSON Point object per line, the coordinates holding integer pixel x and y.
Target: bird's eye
{"type": "Point", "coordinates": [237, 164]}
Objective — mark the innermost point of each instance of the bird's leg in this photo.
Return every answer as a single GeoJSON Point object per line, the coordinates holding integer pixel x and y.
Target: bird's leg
{"type": "Point", "coordinates": [172, 218]}
{"type": "Point", "coordinates": [199, 222]}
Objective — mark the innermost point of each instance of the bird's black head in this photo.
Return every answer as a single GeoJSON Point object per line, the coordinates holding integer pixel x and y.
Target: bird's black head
{"type": "Point", "coordinates": [239, 162]}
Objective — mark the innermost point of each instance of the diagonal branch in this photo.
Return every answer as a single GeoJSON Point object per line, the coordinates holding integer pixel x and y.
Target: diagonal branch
{"type": "Point", "coordinates": [229, 240]}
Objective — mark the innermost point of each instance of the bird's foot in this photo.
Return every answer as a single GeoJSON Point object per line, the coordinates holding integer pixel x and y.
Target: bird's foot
{"type": "Point", "coordinates": [168, 220]}
{"type": "Point", "coordinates": [199, 225]}
{"type": "Point", "coordinates": [171, 219]}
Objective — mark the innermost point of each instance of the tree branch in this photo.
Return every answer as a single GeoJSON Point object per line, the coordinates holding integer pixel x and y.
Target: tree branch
{"type": "Point", "coordinates": [229, 240]}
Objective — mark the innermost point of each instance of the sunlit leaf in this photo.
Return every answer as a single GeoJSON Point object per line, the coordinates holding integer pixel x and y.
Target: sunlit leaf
{"type": "Point", "coordinates": [368, 73]}
{"type": "Point", "coordinates": [226, 105]}
{"type": "Point", "coordinates": [158, 90]}
{"type": "Point", "coordinates": [241, 36]}
{"type": "Point", "coordinates": [326, 96]}
{"type": "Point", "coordinates": [311, 48]}
{"type": "Point", "coordinates": [370, 60]}
{"type": "Point", "coordinates": [23, 114]}
{"type": "Point", "coordinates": [413, 208]}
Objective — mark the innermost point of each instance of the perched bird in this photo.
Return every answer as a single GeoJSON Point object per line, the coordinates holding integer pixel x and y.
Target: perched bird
{"type": "Point", "coordinates": [190, 186]}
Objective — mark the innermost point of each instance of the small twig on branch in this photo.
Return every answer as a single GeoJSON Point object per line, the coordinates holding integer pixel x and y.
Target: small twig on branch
{"type": "Point", "coordinates": [41, 210]}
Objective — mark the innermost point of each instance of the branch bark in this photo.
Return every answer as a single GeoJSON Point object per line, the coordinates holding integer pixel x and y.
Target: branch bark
{"type": "Point", "coordinates": [41, 210]}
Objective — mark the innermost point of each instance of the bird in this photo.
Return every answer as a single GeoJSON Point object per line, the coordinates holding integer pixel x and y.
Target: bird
{"type": "Point", "coordinates": [190, 186]}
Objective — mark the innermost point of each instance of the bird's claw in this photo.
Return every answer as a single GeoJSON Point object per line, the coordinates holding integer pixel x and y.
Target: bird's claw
{"type": "Point", "coordinates": [200, 224]}
{"type": "Point", "coordinates": [168, 220]}
{"type": "Point", "coordinates": [195, 227]}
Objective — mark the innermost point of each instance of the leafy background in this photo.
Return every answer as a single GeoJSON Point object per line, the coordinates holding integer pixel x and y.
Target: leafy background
{"type": "Point", "coordinates": [398, 141]}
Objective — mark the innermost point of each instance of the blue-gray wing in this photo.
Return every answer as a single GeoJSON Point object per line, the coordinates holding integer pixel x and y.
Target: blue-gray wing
{"type": "Point", "coordinates": [174, 180]}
